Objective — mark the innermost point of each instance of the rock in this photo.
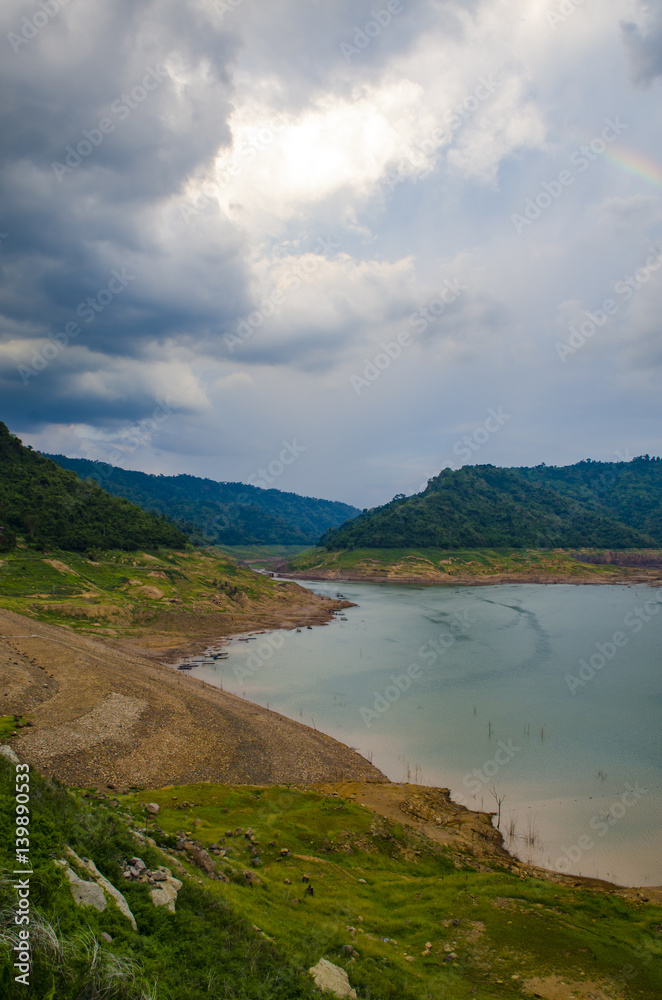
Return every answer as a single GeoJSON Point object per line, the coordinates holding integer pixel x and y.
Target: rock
{"type": "Point", "coordinates": [252, 878]}
{"type": "Point", "coordinates": [152, 808]}
{"type": "Point", "coordinates": [228, 833]}
{"type": "Point", "coordinates": [106, 936]}
{"type": "Point", "coordinates": [105, 885]}
{"type": "Point", "coordinates": [85, 893]}
{"type": "Point", "coordinates": [287, 882]}
{"type": "Point", "coordinates": [201, 859]}
{"type": "Point", "coordinates": [284, 852]}
{"type": "Point", "coordinates": [159, 876]}
{"type": "Point", "coordinates": [111, 891]}
{"type": "Point", "coordinates": [305, 878]}
{"type": "Point", "coordinates": [238, 832]}
{"type": "Point", "coordinates": [249, 833]}
{"type": "Point", "coordinates": [330, 977]}
{"type": "Point", "coordinates": [138, 864]}
{"type": "Point", "coordinates": [9, 754]}
{"type": "Point", "coordinates": [165, 893]}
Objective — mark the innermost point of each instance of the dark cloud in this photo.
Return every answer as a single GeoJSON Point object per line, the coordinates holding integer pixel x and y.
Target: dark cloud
{"type": "Point", "coordinates": [155, 77]}
{"type": "Point", "coordinates": [644, 48]}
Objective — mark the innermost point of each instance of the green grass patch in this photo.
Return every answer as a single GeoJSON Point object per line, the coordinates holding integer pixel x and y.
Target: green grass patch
{"type": "Point", "coordinates": [398, 890]}
{"type": "Point", "coordinates": [8, 724]}
{"type": "Point", "coordinates": [118, 589]}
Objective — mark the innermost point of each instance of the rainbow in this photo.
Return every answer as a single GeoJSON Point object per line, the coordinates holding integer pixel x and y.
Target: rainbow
{"type": "Point", "coordinates": [637, 164]}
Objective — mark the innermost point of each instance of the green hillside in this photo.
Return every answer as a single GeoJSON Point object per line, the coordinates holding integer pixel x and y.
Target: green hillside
{"type": "Point", "coordinates": [219, 513]}
{"type": "Point", "coordinates": [382, 893]}
{"type": "Point", "coordinates": [591, 504]}
{"type": "Point", "coordinates": [51, 508]}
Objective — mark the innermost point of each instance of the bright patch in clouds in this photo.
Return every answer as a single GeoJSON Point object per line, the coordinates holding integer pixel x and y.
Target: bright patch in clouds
{"type": "Point", "coordinates": [313, 207]}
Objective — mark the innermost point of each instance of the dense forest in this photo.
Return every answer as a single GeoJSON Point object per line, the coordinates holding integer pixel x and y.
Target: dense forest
{"type": "Point", "coordinates": [51, 508]}
{"type": "Point", "coordinates": [613, 505]}
{"type": "Point", "coordinates": [219, 513]}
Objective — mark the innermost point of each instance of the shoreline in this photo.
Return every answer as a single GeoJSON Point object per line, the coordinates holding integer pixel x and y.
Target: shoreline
{"type": "Point", "coordinates": [445, 579]}
{"type": "Point", "coordinates": [316, 754]}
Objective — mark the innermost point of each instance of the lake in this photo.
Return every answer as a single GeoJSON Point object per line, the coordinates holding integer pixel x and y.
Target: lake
{"type": "Point", "coordinates": [545, 697]}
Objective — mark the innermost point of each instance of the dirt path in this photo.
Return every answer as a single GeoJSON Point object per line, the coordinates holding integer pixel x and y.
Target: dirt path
{"type": "Point", "coordinates": [106, 716]}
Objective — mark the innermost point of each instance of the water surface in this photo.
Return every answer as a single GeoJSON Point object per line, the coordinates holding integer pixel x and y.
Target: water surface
{"type": "Point", "coordinates": [479, 689]}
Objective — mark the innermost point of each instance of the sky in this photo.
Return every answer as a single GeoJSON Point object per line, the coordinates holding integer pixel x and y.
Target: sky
{"type": "Point", "coordinates": [331, 246]}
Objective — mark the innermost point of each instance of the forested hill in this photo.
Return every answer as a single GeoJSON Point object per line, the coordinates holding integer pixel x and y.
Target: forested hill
{"type": "Point", "coordinates": [51, 508]}
{"type": "Point", "coordinates": [220, 513]}
{"type": "Point", "coordinates": [611, 505]}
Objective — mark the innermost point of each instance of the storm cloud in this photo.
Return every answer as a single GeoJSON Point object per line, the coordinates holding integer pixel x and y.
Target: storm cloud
{"type": "Point", "coordinates": [237, 209]}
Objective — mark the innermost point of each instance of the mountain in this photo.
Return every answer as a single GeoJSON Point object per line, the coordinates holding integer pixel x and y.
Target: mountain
{"type": "Point", "coordinates": [51, 508]}
{"type": "Point", "coordinates": [219, 513]}
{"type": "Point", "coordinates": [591, 504]}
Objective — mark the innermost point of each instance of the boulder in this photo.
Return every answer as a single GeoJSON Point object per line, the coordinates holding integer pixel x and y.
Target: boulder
{"type": "Point", "coordinates": [106, 886]}
{"type": "Point", "coordinates": [9, 754]}
{"type": "Point", "coordinates": [85, 893]}
{"type": "Point", "coordinates": [200, 857]}
{"type": "Point", "coordinates": [330, 977]}
{"type": "Point", "coordinates": [152, 808]}
{"type": "Point", "coordinates": [165, 893]}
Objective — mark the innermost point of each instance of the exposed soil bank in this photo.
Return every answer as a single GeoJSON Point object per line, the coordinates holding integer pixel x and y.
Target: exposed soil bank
{"type": "Point", "coordinates": [107, 716]}
{"type": "Point", "coordinates": [652, 577]}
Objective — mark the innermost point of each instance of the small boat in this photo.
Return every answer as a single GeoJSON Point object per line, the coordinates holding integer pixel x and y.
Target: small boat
{"type": "Point", "coordinates": [185, 666]}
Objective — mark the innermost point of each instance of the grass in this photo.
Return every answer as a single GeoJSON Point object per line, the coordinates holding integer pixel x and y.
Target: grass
{"type": "Point", "coordinates": [398, 891]}
{"type": "Point", "coordinates": [8, 724]}
{"type": "Point", "coordinates": [118, 590]}
{"type": "Point", "coordinates": [206, 949]}
{"type": "Point", "coordinates": [379, 890]}
{"type": "Point", "coordinates": [437, 565]}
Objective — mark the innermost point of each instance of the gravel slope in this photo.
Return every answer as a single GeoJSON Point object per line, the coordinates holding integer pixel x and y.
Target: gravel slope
{"type": "Point", "coordinates": [106, 716]}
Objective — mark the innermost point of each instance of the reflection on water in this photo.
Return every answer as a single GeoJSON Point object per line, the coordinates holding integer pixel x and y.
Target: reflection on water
{"type": "Point", "coordinates": [543, 701]}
